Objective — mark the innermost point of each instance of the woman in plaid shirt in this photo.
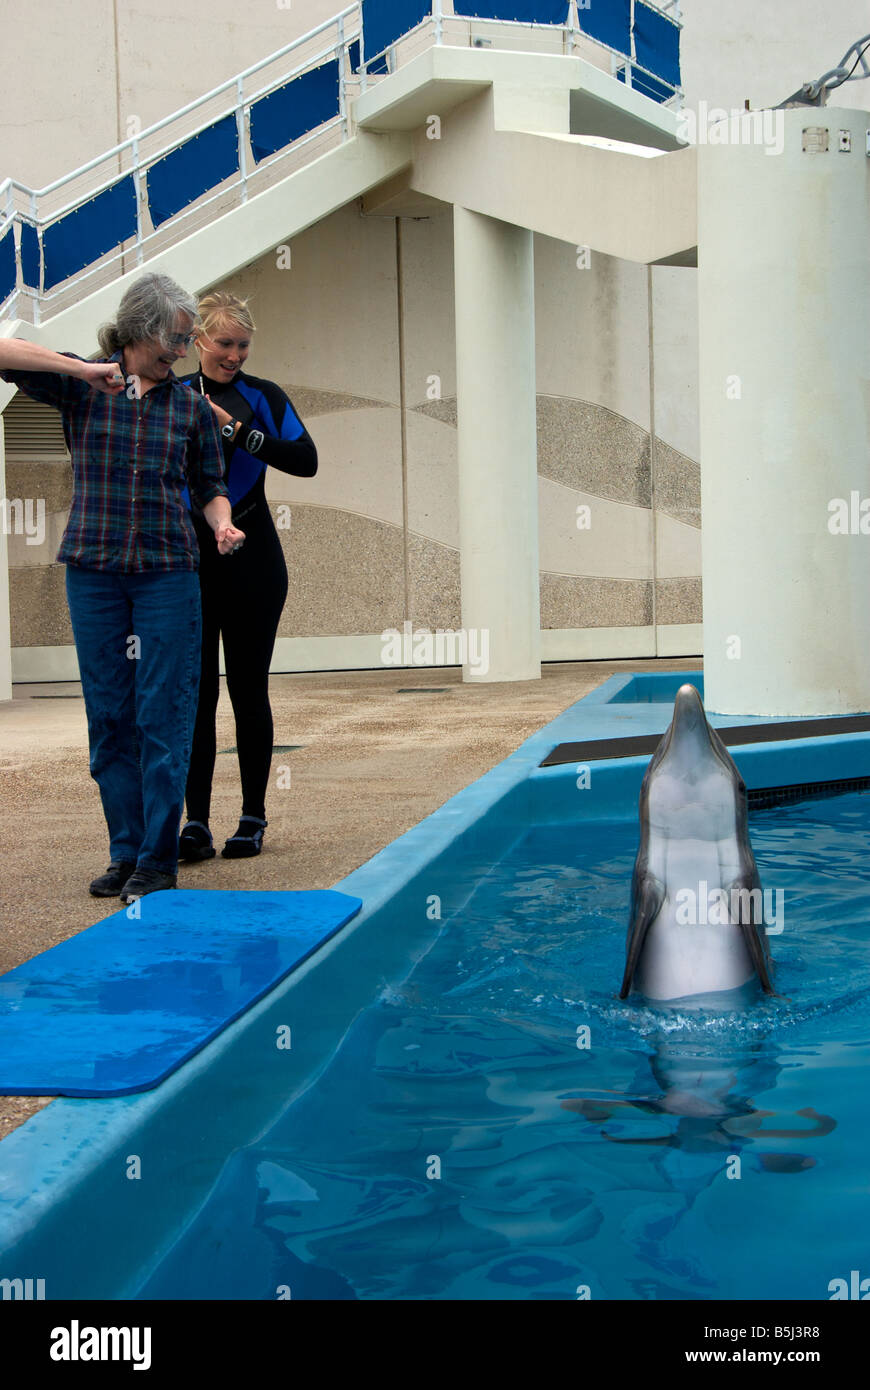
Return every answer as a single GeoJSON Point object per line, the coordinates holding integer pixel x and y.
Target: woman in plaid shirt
{"type": "Point", "coordinates": [137, 437]}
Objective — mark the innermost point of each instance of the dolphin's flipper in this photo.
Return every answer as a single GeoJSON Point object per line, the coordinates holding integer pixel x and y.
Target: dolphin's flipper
{"type": "Point", "coordinates": [750, 931]}
{"type": "Point", "coordinates": [821, 1126]}
{"type": "Point", "coordinates": [594, 1110]}
{"type": "Point", "coordinates": [785, 1163]}
{"type": "Point", "coordinates": [647, 899]}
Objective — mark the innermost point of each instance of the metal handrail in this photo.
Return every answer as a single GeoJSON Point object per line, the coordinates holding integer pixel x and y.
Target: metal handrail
{"type": "Point", "coordinates": [571, 28]}
{"type": "Point", "coordinates": [191, 106]}
{"type": "Point", "coordinates": [348, 24]}
{"type": "Point", "coordinates": [144, 163]}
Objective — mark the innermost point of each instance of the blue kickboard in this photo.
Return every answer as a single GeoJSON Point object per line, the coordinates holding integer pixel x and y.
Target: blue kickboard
{"type": "Point", "coordinates": [119, 1007]}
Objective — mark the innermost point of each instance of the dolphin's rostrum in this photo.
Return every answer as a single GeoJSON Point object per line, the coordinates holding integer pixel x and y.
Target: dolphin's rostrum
{"type": "Point", "coordinates": [694, 844]}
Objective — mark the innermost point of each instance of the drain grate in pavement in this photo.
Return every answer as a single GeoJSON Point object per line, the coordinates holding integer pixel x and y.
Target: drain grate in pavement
{"type": "Point", "coordinates": [55, 697]}
{"type": "Point", "coordinates": [276, 748]}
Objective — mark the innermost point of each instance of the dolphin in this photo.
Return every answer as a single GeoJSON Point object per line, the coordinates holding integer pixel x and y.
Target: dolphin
{"type": "Point", "coordinates": [694, 853]}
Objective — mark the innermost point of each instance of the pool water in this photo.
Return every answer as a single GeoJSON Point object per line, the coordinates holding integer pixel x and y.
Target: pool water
{"type": "Point", "coordinates": [461, 1145]}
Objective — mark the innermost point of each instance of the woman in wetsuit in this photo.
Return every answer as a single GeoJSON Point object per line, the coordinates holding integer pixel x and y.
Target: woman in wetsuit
{"type": "Point", "coordinates": [242, 599]}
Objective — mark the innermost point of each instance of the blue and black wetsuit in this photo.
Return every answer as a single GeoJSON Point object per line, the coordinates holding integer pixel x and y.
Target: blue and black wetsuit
{"type": "Point", "coordinates": [243, 594]}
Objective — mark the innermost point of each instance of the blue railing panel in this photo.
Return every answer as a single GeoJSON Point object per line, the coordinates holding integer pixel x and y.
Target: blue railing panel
{"type": "Point", "coordinates": [656, 45]}
{"type": "Point", "coordinates": [29, 255]}
{"type": "Point", "coordinates": [299, 106]}
{"type": "Point", "coordinates": [527, 11]}
{"type": "Point", "coordinates": [610, 23]}
{"type": "Point", "coordinates": [647, 86]}
{"type": "Point", "coordinates": [384, 21]}
{"type": "Point", "coordinates": [195, 167]}
{"type": "Point", "coordinates": [7, 263]}
{"type": "Point", "coordinates": [81, 237]}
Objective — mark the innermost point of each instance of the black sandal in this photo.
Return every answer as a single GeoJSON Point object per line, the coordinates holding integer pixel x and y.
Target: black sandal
{"type": "Point", "coordinates": [195, 842]}
{"type": "Point", "coordinates": [247, 841]}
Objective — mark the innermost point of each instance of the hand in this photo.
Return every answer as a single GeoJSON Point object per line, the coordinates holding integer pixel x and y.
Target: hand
{"type": "Point", "coordinates": [106, 377]}
{"type": "Point", "coordinates": [229, 538]}
{"type": "Point", "coordinates": [222, 417]}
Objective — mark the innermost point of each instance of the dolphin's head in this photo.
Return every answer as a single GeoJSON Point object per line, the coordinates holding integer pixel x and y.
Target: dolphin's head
{"type": "Point", "coordinates": [690, 782]}
{"type": "Point", "coordinates": [689, 745]}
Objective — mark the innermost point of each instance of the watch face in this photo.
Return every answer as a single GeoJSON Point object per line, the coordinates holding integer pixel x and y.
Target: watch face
{"type": "Point", "coordinates": [227, 431]}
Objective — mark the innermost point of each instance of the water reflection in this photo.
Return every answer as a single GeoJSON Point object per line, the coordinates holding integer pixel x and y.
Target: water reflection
{"type": "Point", "coordinates": [710, 1093]}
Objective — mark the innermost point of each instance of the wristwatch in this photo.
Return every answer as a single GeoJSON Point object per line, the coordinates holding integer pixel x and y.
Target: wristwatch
{"type": "Point", "coordinates": [229, 429]}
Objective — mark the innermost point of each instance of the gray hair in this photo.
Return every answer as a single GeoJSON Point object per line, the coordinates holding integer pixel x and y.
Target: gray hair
{"type": "Point", "coordinates": [147, 310]}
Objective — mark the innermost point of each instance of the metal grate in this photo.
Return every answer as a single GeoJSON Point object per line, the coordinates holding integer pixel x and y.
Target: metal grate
{"type": "Point", "coordinates": [32, 430]}
{"type": "Point", "coordinates": [763, 797]}
{"type": "Point", "coordinates": [276, 748]}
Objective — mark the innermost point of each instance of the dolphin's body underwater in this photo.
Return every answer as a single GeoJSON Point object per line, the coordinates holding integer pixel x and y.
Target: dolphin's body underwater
{"type": "Point", "coordinates": [694, 841]}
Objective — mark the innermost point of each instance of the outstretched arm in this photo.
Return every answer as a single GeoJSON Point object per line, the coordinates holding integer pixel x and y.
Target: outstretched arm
{"type": "Point", "coordinates": [18, 355]}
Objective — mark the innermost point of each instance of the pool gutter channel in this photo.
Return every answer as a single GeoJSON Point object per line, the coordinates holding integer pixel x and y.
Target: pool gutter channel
{"type": "Point", "coordinates": [64, 1190]}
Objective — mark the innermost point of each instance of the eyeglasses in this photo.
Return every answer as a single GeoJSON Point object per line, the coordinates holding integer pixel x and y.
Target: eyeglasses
{"type": "Point", "coordinates": [181, 339]}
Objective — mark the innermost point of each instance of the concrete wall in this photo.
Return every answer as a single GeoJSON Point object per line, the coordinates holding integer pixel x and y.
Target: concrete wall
{"type": "Point", "coordinates": [328, 331]}
{"type": "Point", "coordinates": [374, 538]}
{"type": "Point", "coordinates": [764, 51]}
{"type": "Point", "coordinates": [362, 535]}
{"type": "Point", "coordinates": [76, 71]}
{"type": "Point", "coordinates": [5, 654]}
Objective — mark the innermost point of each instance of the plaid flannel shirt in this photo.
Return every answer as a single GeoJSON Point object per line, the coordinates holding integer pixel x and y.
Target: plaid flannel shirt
{"type": "Point", "coordinates": [131, 459]}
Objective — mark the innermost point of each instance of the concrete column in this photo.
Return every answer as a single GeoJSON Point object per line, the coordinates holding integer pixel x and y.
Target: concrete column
{"type": "Point", "coordinates": [784, 307]}
{"type": "Point", "coordinates": [497, 445]}
{"type": "Point", "coordinates": [5, 637]}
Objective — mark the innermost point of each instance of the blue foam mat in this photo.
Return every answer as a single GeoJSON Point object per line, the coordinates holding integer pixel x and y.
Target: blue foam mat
{"type": "Point", "coordinates": [119, 1007]}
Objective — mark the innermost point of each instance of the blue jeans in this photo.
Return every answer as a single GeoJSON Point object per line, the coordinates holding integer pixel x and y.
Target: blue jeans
{"type": "Point", "coordinates": [138, 642]}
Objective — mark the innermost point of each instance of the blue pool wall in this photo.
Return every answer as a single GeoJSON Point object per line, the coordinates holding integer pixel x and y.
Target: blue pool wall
{"type": "Point", "coordinates": [68, 1211]}
{"type": "Point", "coordinates": [644, 688]}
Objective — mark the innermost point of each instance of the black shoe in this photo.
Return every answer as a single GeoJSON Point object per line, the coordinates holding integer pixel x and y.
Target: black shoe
{"type": "Point", "coordinates": [248, 839]}
{"type": "Point", "coordinates": [195, 842]}
{"type": "Point", "coordinates": [143, 881]}
{"type": "Point", "coordinates": [109, 884]}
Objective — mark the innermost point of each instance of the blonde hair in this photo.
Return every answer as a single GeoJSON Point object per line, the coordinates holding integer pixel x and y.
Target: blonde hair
{"type": "Point", "coordinates": [219, 306]}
